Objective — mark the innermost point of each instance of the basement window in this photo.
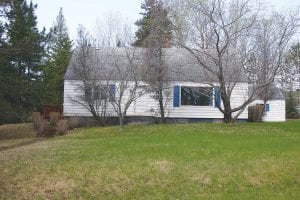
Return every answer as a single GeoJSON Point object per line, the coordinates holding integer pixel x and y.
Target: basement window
{"type": "Point", "coordinates": [196, 96]}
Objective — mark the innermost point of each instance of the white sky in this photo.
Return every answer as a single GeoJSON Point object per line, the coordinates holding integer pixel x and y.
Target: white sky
{"type": "Point", "coordinates": [86, 12]}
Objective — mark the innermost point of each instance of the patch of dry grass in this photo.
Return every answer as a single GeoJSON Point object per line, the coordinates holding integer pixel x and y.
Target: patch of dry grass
{"type": "Point", "coordinates": [163, 165]}
{"type": "Point", "coordinates": [16, 131]}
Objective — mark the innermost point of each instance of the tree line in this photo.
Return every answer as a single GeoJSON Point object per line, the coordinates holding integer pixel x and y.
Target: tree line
{"type": "Point", "coordinates": [32, 62]}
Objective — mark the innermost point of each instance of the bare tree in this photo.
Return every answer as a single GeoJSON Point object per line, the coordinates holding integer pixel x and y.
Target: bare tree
{"type": "Point", "coordinates": [220, 38]}
{"type": "Point", "coordinates": [156, 70]}
{"type": "Point", "coordinates": [289, 76]}
{"type": "Point", "coordinates": [155, 74]}
{"type": "Point", "coordinates": [126, 69]}
{"type": "Point", "coordinates": [268, 47]}
{"type": "Point", "coordinates": [124, 63]}
{"type": "Point", "coordinates": [87, 64]}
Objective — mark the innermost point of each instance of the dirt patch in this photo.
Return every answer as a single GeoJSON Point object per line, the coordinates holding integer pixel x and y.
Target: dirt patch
{"type": "Point", "coordinates": [255, 181]}
{"type": "Point", "coordinates": [21, 144]}
{"type": "Point", "coordinates": [59, 185]}
{"type": "Point", "coordinates": [163, 165]}
{"type": "Point", "coordinates": [202, 179]}
{"type": "Point", "coordinates": [48, 188]}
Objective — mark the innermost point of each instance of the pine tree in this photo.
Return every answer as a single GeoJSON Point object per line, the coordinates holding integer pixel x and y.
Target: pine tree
{"type": "Point", "coordinates": [23, 53]}
{"type": "Point", "coordinates": [7, 113]}
{"type": "Point", "coordinates": [155, 20]}
{"type": "Point", "coordinates": [291, 110]}
{"type": "Point", "coordinates": [59, 56]}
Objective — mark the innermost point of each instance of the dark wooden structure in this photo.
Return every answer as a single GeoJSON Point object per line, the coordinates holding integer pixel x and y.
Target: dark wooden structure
{"type": "Point", "coordinates": [47, 109]}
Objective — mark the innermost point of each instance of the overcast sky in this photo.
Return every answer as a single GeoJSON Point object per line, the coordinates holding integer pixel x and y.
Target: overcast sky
{"type": "Point", "coordinates": [86, 12]}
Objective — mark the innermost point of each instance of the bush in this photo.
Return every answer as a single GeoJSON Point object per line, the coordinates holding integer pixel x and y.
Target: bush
{"type": "Point", "coordinates": [73, 122]}
{"type": "Point", "coordinates": [62, 127]}
{"type": "Point", "coordinates": [46, 130]}
{"type": "Point", "coordinates": [254, 113]}
{"type": "Point", "coordinates": [54, 118]}
{"type": "Point", "coordinates": [290, 107]}
{"type": "Point", "coordinates": [36, 119]}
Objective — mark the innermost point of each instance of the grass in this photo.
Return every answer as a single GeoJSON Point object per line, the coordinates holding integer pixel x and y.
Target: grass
{"type": "Point", "coordinates": [190, 161]}
{"type": "Point", "coordinates": [16, 131]}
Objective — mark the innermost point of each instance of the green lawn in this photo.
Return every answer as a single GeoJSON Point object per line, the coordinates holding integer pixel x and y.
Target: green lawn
{"type": "Point", "coordinates": [190, 161]}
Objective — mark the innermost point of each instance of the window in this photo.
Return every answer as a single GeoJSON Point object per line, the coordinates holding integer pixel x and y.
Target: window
{"type": "Point", "coordinates": [196, 96]}
{"type": "Point", "coordinates": [112, 92]}
{"type": "Point", "coordinates": [88, 93]}
{"type": "Point", "coordinates": [267, 107]}
{"type": "Point", "coordinates": [99, 93]}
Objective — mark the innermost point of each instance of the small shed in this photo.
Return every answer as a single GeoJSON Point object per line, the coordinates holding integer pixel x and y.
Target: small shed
{"type": "Point", "coordinates": [275, 107]}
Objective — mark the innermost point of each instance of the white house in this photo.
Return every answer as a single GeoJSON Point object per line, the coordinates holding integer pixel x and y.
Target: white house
{"type": "Point", "coordinates": [193, 98]}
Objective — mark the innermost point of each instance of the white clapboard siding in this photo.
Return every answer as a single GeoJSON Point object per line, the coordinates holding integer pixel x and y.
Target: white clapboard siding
{"type": "Point", "coordinates": [239, 94]}
{"type": "Point", "coordinates": [145, 105]}
{"type": "Point", "coordinates": [71, 107]}
{"type": "Point", "coordinates": [277, 111]}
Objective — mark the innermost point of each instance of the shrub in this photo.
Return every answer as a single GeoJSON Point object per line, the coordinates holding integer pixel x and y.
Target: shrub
{"type": "Point", "coordinates": [41, 128]}
{"type": "Point", "coordinates": [46, 130]}
{"type": "Point", "coordinates": [62, 127]}
{"type": "Point", "coordinates": [36, 119]}
{"type": "Point", "coordinates": [73, 122]}
{"type": "Point", "coordinates": [255, 113]}
{"type": "Point", "coordinates": [54, 118]}
{"type": "Point", "coordinates": [290, 107]}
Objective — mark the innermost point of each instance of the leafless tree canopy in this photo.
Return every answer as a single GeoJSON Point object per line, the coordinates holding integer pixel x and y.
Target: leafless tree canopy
{"type": "Point", "coordinates": [231, 40]}
{"type": "Point", "coordinates": [129, 86]}
{"type": "Point", "coordinates": [155, 72]}
{"type": "Point", "coordinates": [289, 75]}
{"type": "Point", "coordinates": [109, 76]}
{"type": "Point", "coordinates": [87, 65]}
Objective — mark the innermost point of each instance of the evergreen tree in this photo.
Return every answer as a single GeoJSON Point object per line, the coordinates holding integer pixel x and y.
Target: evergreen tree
{"type": "Point", "coordinates": [7, 112]}
{"type": "Point", "coordinates": [291, 111]}
{"type": "Point", "coordinates": [25, 53]}
{"type": "Point", "coordinates": [154, 20]}
{"type": "Point", "coordinates": [59, 56]}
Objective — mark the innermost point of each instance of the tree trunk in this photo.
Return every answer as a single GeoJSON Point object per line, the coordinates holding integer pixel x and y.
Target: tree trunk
{"type": "Point", "coordinates": [227, 111]}
{"type": "Point", "coordinates": [161, 107]}
{"type": "Point", "coordinates": [228, 117]}
{"type": "Point", "coordinates": [122, 120]}
{"type": "Point", "coordinates": [263, 110]}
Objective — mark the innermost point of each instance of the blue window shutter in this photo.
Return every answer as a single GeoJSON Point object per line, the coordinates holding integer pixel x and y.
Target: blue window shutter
{"type": "Point", "coordinates": [267, 107]}
{"type": "Point", "coordinates": [176, 96]}
{"type": "Point", "coordinates": [217, 97]}
{"type": "Point", "coordinates": [112, 92]}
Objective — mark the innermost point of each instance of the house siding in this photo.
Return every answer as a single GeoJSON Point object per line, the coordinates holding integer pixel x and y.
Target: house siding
{"type": "Point", "coordinates": [276, 111]}
{"type": "Point", "coordinates": [147, 106]}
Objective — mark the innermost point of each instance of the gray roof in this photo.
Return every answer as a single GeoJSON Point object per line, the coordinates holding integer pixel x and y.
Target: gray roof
{"type": "Point", "coordinates": [181, 65]}
{"type": "Point", "coordinates": [276, 93]}
{"type": "Point", "coordinates": [273, 93]}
